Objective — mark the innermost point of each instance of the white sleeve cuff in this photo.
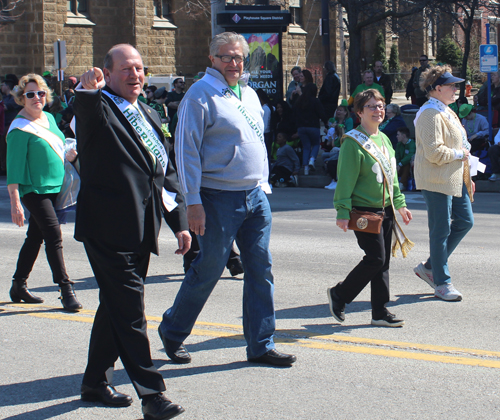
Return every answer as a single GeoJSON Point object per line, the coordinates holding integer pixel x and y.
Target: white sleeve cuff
{"type": "Point", "coordinates": [459, 154]}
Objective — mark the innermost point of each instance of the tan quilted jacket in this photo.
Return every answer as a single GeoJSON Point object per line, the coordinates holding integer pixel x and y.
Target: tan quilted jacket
{"type": "Point", "coordinates": [436, 168]}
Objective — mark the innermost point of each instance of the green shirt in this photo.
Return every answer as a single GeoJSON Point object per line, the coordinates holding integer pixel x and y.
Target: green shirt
{"type": "Point", "coordinates": [32, 163]}
{"type": "Point", "coordinates": [357, 182]}
{"type": "Point", "coordinates": [404, 152]}
{"type": "Point", "coordinates": [362, 87]}
{"type": "Point", "coordinates": [237, 90]}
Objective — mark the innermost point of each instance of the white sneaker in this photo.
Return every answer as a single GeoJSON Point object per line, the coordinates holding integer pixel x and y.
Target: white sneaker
{"type": "Point", "coordinates": [425, 274]}
{"type": "Point", "coordinates": [332, 185]}
{"type": "Point", "coordinates": [494, 177]}
{"type": "Point", "coordinates": [447, 292]}
{"type": "Point", "coordinates": [306, 170]}
{"type": "Point", "coordinates": [294, 180]}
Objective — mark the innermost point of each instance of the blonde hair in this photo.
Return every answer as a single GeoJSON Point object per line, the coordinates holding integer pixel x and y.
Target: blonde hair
{"type": "Point", "coordinates": [429, 76]}
{"type": "Point", "coordinates": [31, 78]}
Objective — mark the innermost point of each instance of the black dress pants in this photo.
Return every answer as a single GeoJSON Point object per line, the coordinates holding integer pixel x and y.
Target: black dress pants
{"type": "Point", "coordinates": [120, 323]}
{"type": "Point", "coordinates": [43, 226]}
{"type": "Point", "coordinates": [374, 267]}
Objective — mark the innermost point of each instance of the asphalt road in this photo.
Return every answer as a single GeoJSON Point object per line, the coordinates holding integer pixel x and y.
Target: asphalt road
{"type": "Point", "coordinates": [443, 364]}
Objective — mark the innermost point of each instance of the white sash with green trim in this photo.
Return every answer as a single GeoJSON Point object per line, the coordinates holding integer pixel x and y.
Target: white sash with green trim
{"type": "Point", "coordinates": [54, 141]}
{"type": "Point", "coordinates": [149, 138]}
{"type": "Point", "coordinates": [228, 93]}
{"type": "Point", "coordinates": [399, 239]}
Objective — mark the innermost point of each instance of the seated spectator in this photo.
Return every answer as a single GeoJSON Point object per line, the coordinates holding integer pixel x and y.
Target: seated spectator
{"type": "Point", "coordinates": [455, 106]}
{"type": "Point", "coordinates": [158, 104]}
{"type": "Point", "coordinates": [342, 117]}
{"type": "Point", "coordinates": [287, 165]}
{"type": "Point", "coordinates": [494, 154]}
{"type": "Point", "coordinates": [331, 158]}
{"type": "Point", "coordinates": [282, 120]}
{"type": "Point", "coordinates": [476, 126]}
{"type": "Point", "coordinates": [368, 83]}
{"type": "Point", "coordinates": [405, 151]}
{"type": "Point", "coordinates": [394, 121]}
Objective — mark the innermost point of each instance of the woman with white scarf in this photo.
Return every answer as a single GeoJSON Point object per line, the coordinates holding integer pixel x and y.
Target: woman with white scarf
{"type": "Point", "coordinates": [442, 173]}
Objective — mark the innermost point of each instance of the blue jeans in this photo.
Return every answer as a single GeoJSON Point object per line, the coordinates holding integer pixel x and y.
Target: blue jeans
{"type": "Point", "coordinates": [310, 138]}
{"type": "Point", "coordinates": [450, 218]}
{"type": "Point", "coordinates": [244, 216]}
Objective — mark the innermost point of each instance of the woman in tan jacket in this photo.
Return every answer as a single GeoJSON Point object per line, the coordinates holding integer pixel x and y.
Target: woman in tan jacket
{"type": "Point", "coordinates": [442, 173]}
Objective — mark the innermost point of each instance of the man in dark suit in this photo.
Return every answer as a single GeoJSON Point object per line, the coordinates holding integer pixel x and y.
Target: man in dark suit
{"type": "Point", "coordinates": [330, 90]}
{"type": "Point", "coordinates": [383, 80]}
{"type": "Point", "coordinates": [127, 182]}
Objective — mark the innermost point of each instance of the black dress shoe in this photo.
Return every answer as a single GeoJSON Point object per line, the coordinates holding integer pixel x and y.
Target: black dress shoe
{"type": "Point", "coordinates": [274, 357]}
{"type": "Point", "coordinates": [175, 350]}
{"type": "Point", "coordinates": [337, 307]}
{"type": "Point", "coordinates": [158, 407]}
{"type": "Point", "coordinates": [106, 394]}
{"type": "Point", "coordinates": [235, 266]}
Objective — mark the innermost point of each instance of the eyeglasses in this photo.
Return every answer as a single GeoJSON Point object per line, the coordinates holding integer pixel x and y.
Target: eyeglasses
{"type": "Point", "coordinates": [452, 85]}
{"type": "Point", "coordinates": [39, 94]}
{"type": "Point", "coordinates": [228, 58]}
{"type": "Point", "coordinates": [380, 107]}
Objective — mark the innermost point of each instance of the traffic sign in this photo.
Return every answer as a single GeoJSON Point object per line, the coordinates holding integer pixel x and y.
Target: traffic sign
{"type": "Point", "coordinates": [488, 58]}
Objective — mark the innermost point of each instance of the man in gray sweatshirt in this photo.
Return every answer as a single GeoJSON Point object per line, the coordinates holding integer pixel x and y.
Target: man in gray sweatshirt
{"type": "Point", "coordinates": [222, 167]}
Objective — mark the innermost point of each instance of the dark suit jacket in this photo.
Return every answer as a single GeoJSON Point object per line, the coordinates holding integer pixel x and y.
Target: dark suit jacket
{"type": "Point", "coordinates": [119, 184]}
{"type": "Point", "coordinates": [385, 82]}
{"type": "Point", "coordinates": [329, 93]}
{"type": "Point", "coordinates": [391, 129]}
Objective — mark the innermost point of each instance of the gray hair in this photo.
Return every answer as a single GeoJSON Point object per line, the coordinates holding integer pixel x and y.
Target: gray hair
{"type": "Point", "coordinates": [394, 108]}
{"type": "Point", "coordinates": [228, 38]}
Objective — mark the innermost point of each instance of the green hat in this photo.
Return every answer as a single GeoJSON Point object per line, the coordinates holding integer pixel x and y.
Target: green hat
{"type": "Point", "coordinates": [465, 110]}
{"type": "Point", "coordinates": [343, 102]}
{"type": "Point", "coordinates": [46, 74]}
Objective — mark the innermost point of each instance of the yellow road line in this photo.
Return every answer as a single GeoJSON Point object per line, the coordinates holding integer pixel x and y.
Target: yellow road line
{"type": "Point", "coordinates": [332, 342]}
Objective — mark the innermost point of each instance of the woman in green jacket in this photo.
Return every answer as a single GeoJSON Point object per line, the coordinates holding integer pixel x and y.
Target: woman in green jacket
{"type": "Point", "coordinates": [35, 172]}
{"type": "Point", "coordinates": [366, 162]}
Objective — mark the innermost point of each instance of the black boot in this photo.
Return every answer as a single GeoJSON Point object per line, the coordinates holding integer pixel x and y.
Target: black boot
{"type": "Point", "coordinates": [68, 298]}
{"type": "Point", "coordinates": [19, 291]}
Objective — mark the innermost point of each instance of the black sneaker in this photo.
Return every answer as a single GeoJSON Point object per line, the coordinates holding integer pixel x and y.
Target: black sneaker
{"type": "Point", "coordinates": [158, 407]}
{"type": "Point", "coordinates": [337, 307]}
{"type": "Point", "coordinates": [235, 266]}
{"type": "Point", "coordinates": [388, 320]}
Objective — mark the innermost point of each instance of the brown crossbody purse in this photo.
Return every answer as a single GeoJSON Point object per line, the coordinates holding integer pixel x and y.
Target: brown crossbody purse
{"type": "Point", "coordinates": [366, 221]}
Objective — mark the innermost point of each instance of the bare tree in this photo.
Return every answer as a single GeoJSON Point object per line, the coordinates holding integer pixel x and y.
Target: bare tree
{"type": "Point", "coordinates": [360, 14]}
{"type": "Point", "coordinates": [463, 14]}
{"type": "Point", "coordinates": [9, 11]}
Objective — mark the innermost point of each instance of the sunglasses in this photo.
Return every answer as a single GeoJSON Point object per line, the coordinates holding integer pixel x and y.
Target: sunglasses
{"type": "Point", "coordinates": [39, 94]}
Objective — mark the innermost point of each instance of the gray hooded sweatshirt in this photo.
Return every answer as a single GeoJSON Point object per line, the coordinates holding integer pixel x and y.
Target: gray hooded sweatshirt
{"type": "Point", "coordinates": [215, 146]}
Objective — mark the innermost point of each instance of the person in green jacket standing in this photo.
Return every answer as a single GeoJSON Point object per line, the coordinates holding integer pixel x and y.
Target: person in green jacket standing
{"type": "Point", "coordinates": [366, 163]}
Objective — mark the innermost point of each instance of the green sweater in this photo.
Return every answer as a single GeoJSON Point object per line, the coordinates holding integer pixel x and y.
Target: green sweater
{"type": "Point", "coordinates": [358, 184]}
{"type": "Point", "coordinates": [404, 152]}
{"type": "Point", "coordinates": [32, 163]}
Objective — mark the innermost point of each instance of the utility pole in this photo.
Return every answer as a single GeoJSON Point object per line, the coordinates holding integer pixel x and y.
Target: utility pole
{"type": "Point", "coordinates": [342, 52]}
{"type": "Point", "coordinates": [216, 6]}
{"type": "Point", "coordinates": [325, 30]}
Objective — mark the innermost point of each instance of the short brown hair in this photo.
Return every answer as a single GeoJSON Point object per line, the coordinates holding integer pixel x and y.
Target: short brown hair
{"type": "Point", "coordinates": [363, 97]}
{"type": "Point", "coordinates": [31, 78]}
